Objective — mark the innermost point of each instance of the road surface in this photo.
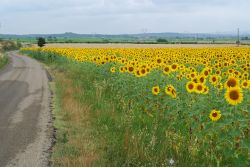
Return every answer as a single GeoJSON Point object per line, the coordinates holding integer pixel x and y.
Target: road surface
{"type": "Point", "coordinates": [25, 118]}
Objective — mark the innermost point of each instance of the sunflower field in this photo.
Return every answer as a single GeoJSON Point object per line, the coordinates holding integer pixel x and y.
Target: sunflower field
{"type": "Point", "coordinates": [177, 106]}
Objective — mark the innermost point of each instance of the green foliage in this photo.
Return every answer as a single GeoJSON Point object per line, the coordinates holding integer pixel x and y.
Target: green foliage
{"type": "Point", "coordinates": [41, 42]}
{"type": "Point", "coordinates": [9, 45]}
{"type": "Point", "coordinates": [161, 40]}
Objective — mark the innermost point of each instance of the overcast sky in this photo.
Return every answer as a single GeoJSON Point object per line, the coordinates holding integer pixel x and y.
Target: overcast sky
{"type": "Point", "coordinates": [123, 16]}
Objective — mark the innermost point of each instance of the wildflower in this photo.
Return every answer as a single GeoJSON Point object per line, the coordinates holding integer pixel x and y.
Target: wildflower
{"type": "Point", "coordinates": [171, 162]}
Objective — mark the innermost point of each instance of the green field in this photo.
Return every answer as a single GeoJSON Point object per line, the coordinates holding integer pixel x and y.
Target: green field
{"type": "Point", "coordinates": [132, 40]}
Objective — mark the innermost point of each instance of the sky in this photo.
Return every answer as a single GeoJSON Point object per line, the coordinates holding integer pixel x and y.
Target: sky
{"type": "Point", "coordinates": [123, 16]}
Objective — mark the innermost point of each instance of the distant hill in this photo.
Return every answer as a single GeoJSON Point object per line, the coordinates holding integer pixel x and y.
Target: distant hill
{"type": "Point", "coordinates": [166, 35]}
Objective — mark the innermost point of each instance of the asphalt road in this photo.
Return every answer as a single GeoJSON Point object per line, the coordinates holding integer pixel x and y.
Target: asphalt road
{"type": "Point", "coordinates": [24, 113]}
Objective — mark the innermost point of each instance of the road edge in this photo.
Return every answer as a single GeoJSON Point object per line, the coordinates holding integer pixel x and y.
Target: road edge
{"type": "Point", "coordinates": [46, 134]}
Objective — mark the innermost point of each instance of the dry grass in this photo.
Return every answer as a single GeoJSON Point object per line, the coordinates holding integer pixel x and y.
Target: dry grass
{"type": "Point", "coordinates": [74, 120]}
{"type": "Point", "coordinates": [68, 45]}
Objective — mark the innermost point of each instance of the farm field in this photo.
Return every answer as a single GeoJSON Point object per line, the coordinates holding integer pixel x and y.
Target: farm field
{"type": "Point", "coordinates": [85, 45]}
{"type": "Point", "coordinates": [141, 105]}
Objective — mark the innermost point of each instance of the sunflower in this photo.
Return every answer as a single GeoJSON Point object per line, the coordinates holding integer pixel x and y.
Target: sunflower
{"type": "Point", "coordinates": [131, 69]}
{"type": "Point", "coordinates": [167, 70]}
{"type": "Point", "coordinates": [217, 72]}
{"type": "Point", "coordinates": [219, 86]}
{"type": "Point", "coordinates": [205, 72]}
{"type": "Point", "coordinates": [112, 69]}
{"type": "Point", "coordinates": [245, 75]}
{"type": "Point", "coordinates": [170, 90]}
{"type": "Point", "coordinates": [193, 75]}
{"type": "Point", "coordinates": [159, 60]}
{"type": "Point", "coordinates": [137, 73]}
{"type": "Point", "coordinates": [156, 90]}
{"type": "Point", "coordinates": [205, 90]}
{"type": "Point", "coordinates": [143, 72]}
{"type": "Point", "coordinates": [179, 77]}
{"type": "Point", "coordinates": [245, 84]}
{"type": "Point", "coordinates": [122, 69]}
{"type": "Point", "coordinates": [231, 82]}
{"type": "Point", "coordinates": [201, 79]}
{"type": "Point", "coordinates": [214, 79]}
{"type": "Point", "coordinates": [199, 88]}
{"type": "Point", "coordinates": [195, 80]}
{"type": "Point", "coordinates": [215, 115]}
{"type": "Point", "coordinates": [174, 67]}
{"type": "Point", "coordinates": [190, 86]}
{"type": "Point", "coordinates": [234, 95]}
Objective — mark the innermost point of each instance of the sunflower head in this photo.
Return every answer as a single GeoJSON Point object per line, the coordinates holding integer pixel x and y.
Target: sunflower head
{"type": "Point", "coordinates": [215, 115]}
{"type": "Point", "coordinates": [131, 69]}
{"type": "Point", "coordinates": [199, 88]}
{"type": "Point", "coordinates": [214, 79]}
{"type": "Point", "coordinates": [245, 84]}
{"type": "Point", "coordinates": [190, 86]}
{"type": "Point", "coordinates": [143, 71]}
{"type": "Point", "coordinates": [193, 75]}
{"type": "Point", "coordinates": [205, 73]}
{"type": "Point", "coordinates": [112, 69]}
{"type": "Point", "coordinates": [234, 95]}
{"type": "Point", "coordinates": [205, 90]}
{"type": "Point", "coordinates": [156, 90]}
{"type": "Point", "coordinates": [231, 82]}
{"type": "Point", "coordinates": [170, 90]}
{"type": "Point", "coordinates": [174, 67]}
{"type": "Point", "coordinates": [137, 73]}
{"type": "Point", "coordinates": [167, 70]}
{"type": "Point", "coordinates": [219, 86]}
{"type": "Point", "coordinates": [201, 79]}
{"type": "Point", "coordinates": [122, 69]}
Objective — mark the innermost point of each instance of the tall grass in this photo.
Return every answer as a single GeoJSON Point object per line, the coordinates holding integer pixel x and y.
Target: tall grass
{"type": "Point", "coordinates": [101, 120]}
{"type": "Point", "coordinates": [3, 60]}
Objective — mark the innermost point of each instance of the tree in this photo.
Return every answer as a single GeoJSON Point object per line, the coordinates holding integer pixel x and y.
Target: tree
{"type": "Point", "coordinates": [244, 38]}
{"type": "Point", "coordinates": [41, 42]}
{"type": "Point", "coordinates": [161, 40]}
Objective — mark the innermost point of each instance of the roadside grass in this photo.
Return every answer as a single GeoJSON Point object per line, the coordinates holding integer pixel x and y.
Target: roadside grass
{"type": "Point", "coordinates": [76, 142]}
{"type": "Point", "coordinates": [74, 139]}
{"type": "Point", "coordinates": [95, 125]}
{"type": "Point", "coordinates": [3, 59]}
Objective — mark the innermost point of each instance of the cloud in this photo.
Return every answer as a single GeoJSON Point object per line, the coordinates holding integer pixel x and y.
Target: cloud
{"type": "Point", "coordinates": [119, 16]}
